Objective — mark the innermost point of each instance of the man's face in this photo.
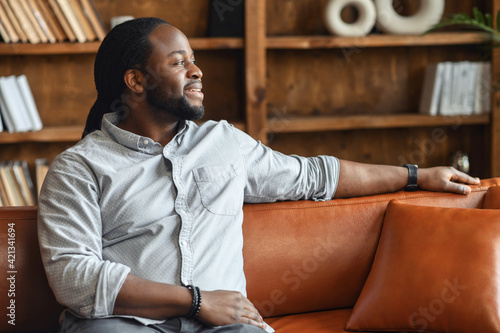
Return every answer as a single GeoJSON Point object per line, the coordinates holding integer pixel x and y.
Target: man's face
{"type": "Point", "coordinates": [174, 81]}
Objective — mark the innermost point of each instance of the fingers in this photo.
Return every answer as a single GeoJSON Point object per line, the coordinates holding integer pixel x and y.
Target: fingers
{"type": "Point", "coordinates": [461, 177]}
{"type": "Point", "coordinates": [252, 315]}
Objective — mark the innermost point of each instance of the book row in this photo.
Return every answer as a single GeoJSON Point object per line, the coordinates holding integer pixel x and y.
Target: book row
{"type": "Point", "coordinates": [50, 21]}
{"type": "Point", "coordinates": [456, 89]}
{"type": "Point", "coordinates": [18, 110]}
{"type": "Point", "coordinates": [16, 185]}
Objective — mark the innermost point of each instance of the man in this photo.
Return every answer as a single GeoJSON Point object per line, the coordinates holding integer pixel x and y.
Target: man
{"type": "Point", "coordinates": [148, 203]}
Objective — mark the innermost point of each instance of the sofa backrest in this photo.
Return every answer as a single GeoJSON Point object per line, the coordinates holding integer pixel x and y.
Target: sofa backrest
{"type": "Point", "coordinates": [24, 290]}
{"type": "Point", "coordinates": [299, 256]}
{"type": "Point", "coordinates": [309, 256]}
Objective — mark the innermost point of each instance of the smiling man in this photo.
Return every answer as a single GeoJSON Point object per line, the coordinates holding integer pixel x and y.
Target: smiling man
{"type": "Point", "coordinates": [140, 222]}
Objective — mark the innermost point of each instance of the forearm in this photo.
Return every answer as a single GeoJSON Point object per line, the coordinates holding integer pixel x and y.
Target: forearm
{"type": "Point", "coordinates": [358, 179]}
{"type": "Point", "coordinates": [144, 298]}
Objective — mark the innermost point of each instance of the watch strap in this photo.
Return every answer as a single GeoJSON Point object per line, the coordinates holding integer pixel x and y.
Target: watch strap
{"type": "Point", "coordinates": [412, 177]}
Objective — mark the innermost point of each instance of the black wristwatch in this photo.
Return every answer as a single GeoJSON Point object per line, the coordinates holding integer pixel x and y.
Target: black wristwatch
{"type": "Point", "coordinates": [412, 177]}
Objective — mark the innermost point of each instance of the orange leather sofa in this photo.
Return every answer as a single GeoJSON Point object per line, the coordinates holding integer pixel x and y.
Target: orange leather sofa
{"type": "Point", "coordinates": [306, 262]}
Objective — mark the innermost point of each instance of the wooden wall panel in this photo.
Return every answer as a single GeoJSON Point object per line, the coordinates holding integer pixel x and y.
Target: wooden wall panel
{"type": "Point", "coordinates": [373, 80]}
{"type": "Point", "coordinates": [305, 17]}
{"type": "Point", "coordinates": [424, 146]}
{"type": "Point", "coordinates": [191, 16]}
{"type": "Point", "coordinates": [62, 85]}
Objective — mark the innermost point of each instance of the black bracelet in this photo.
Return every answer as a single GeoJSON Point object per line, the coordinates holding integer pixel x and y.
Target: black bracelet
{"type": "Point", "coordinates": [194, 311]}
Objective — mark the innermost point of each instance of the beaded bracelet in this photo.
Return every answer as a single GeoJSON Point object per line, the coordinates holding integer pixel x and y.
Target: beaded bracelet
{"type": "Point", "coordinates": [194, 311]}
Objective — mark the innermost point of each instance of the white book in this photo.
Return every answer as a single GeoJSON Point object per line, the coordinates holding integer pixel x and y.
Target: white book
{"type": "Point", "coordinates": [14, 104]}
{"type": "Point", "coordinates": [431, 91]}
{"type": "Point", "coordinates": [461, 77]}
{"type": "Point", "coordinates": [9, 126]}
{"type": "Point", "coordinates": [487, 89]}
{"type": "Point", "coordinates": [447, 91]}
{"type": "Point", "coordinates": [471, 88]}
{"type": "Point", "coordinates": [29, 101]}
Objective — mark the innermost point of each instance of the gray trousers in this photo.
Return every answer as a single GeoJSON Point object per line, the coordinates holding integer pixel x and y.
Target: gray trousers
{"type": "Point", "coordinates": [72, 324]}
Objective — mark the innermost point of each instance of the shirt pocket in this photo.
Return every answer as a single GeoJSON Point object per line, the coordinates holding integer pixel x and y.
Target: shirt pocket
{"type": "Point", "coordinates": [219, 189]}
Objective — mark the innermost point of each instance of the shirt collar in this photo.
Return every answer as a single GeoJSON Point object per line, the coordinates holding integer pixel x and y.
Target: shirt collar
{"type": "Point", "coordinates": [134, 141]}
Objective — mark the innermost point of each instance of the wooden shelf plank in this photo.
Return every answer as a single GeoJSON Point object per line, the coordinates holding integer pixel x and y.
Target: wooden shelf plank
{"type": "Point", "coordinates": [315, 42]}
{"type": "Point", "coordinates": [335, 123]}
{"type": "Point", "coordinates": [91, 48]}
{"type": "Point", "coordinates": [216, 43]}
{"type": "Point", "coordinates": [48, 134]}
{"type": "Point", "coordinates": [60, 134]}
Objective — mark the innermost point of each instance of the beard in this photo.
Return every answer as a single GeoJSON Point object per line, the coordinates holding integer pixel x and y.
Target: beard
{"type": "Point", "coordinates": [177, 107]}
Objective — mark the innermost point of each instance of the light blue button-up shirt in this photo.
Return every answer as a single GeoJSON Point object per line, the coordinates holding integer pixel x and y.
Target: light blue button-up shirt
{"type": "Point", "coordinates": [119, 203]}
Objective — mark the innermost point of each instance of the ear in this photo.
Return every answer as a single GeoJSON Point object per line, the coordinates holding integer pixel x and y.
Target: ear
{"type": "Point", "coordinates": [134, 80]}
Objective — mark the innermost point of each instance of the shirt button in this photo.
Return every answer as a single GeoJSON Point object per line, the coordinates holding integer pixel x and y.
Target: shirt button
{"type": "Point", "coordinates": [146, 142]}
{"type": "Point", "coordinates": [184, 243]}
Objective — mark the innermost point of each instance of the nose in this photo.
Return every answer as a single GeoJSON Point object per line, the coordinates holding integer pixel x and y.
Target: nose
{"type": "Point", "coordinates": [194, 72]}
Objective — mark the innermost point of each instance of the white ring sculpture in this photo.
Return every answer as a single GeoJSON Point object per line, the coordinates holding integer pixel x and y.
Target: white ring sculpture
{"type": "Point", "coordinates": [429, 13]}
{"type": "Point", "coordinates": [363, 25]}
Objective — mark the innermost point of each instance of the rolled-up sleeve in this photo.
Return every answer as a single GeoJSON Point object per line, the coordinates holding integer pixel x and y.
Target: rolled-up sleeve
{"type": "Point", "coordinates": [273, 176]}
{"type": "Point", "coordinates": [70, 237]}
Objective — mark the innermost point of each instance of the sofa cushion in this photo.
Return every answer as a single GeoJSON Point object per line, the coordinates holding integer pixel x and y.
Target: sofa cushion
{"type": "Point", "coordinates": [332, 321]}
{"type": "Point", "coordinates": [492, 198]}
{"type": "Point", "coordinates": [435, 269]}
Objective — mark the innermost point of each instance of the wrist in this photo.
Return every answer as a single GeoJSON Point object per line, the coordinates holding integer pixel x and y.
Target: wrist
{"type": "Point", "coordinates": [194, 310]}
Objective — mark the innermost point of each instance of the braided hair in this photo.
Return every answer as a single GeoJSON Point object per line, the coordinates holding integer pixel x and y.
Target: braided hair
{"type": "Point", "coordinates": [125, 47]}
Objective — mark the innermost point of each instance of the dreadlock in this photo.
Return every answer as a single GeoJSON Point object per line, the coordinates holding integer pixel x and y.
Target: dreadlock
{"type": "Point", "coordinates": [125, 47]}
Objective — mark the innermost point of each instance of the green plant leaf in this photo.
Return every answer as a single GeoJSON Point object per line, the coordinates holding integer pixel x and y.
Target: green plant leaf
{"type": "Point", "coordinates": [478, 16]}
{"type": "Point", "coordinates": [489, 20]}
{"type": "Point", "coordinates": [498, 20]}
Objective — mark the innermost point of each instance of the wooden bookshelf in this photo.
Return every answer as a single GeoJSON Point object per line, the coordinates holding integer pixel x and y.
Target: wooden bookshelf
{"type": "Point", "coordinates": [286, 82]}
{"type": "Point", "coordinates": [316, 42]}
{"type": "Point", "coordinates": [342, 123]}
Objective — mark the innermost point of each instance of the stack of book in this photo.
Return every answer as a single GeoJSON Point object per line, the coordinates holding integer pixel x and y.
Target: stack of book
{"type": "Point", "coordinates": [16, 186]}
{"type": "Point", "coordinates": [456, 89]}
{"type": "Point", "coordinates": [50, 21]}
{"type": "Point", "coordinates": [18, 111]}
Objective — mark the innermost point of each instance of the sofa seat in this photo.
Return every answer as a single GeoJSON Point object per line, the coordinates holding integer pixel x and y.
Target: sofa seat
{"type": "Point", "coordinates": [331, 321]}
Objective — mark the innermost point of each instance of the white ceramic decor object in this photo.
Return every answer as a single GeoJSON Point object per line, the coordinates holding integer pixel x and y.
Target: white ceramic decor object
{"type": "Point", "coordinates": [361, 27]}
{"type": "Point", "coordinates": [429, 13]}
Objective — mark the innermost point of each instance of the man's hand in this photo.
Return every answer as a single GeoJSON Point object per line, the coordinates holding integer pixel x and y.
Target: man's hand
{"type": "Point", "coordinates": [445, 179]}
{"type": "Point", "coordinates": [222, 307]}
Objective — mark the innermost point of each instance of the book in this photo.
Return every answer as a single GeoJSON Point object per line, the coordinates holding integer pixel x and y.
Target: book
{"type": "Point", "coordinates": [431, 91]}
{"type": "Point", "coordinates": [14, 104]}
{"type": "Point", "coordinates": [51, 20]}
{"type": "Point", "coordinates": [445, 108]}
{"type": "Point", "coordinates": [82, 20]}
{"type": "Point", "coordinates": [4, 34]}
{"type": "Point", "coordinates": [6, 119]}
{"type": "Point", "coordinates": [94, 18]}
{"type": "Point", "coordinates": [13, 19]}
{"type": "Point", "coordinates": [8, 26]}
{"type": "Point", "coordinates": [29, 101]}
{"type": "Point", "coordinates": [25, 185]}
{"type": "Point", "coordinates": [42, 21]}
{"type": "Point", "coordinates": [41, 169]}
{"type": "Point", "coordinates": [24, 21]}
{"type": "Point", "coordinates": [62, 20]}
{"type": "Point", "coordinates": [73, 22]}
{"type": "Point", "coordinates": [34, 23]}
{"type": "Point", "coordinates": [9, 183]}
{"type": "Point", "coordinates": [3, 193]}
